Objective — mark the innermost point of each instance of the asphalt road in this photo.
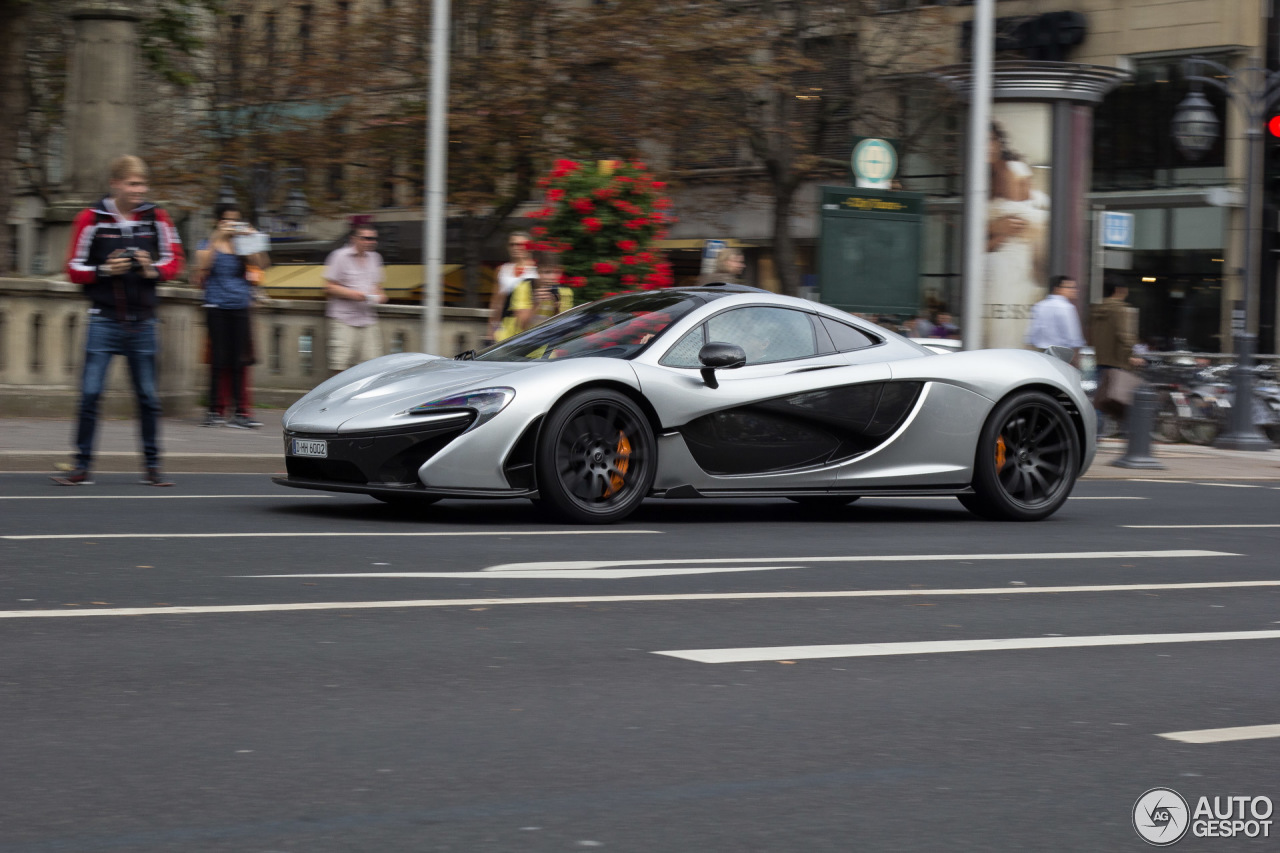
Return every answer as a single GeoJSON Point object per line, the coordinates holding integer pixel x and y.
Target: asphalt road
{"type": "Point", "coordinates": [233, 666]}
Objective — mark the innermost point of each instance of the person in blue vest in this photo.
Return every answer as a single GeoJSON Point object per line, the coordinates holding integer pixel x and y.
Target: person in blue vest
{"type": "Point", "coordinates": [225, 274]}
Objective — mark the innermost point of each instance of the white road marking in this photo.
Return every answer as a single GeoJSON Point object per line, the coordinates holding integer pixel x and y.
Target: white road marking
{"type": "Point", "coordinates": [618, 599]}
{"type": "Point", "coordinates": [576, 574]}
{"type": "Point", "coordinates": [863, 650]}
{"type": "Point", "coordinates": [563, 565]}
{"type": "Point", "coordinates": [318, 534]}
{"type": "Point", "coordinates": [1224, 735]}
{"type": "Point", "coordinates": [150, 497]}
{"type": "Point", "coordinates": [1233, 486]}
{"type": "Point", "coordinates": [1194, 526]}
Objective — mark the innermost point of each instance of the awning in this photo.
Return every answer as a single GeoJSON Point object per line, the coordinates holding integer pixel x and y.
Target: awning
{"type": "Point", "coordinates": [402, 281]}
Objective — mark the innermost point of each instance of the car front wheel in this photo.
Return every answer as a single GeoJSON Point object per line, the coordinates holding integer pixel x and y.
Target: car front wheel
{"type": "Point", "coordinates": [596, 458]}
{"type": "Point", "coordinates": [1027, 460]}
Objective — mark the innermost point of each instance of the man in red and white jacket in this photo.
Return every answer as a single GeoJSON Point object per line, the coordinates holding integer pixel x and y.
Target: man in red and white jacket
{"type": "Point", "coordinates": [121, 248]}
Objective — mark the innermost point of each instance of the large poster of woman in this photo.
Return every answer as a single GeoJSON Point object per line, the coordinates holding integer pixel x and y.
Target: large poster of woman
{"type": "Point", "coordinates": [1019, 155]}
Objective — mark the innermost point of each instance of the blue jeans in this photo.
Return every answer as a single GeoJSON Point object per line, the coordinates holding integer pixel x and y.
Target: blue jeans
{"type": "Point", "coordinates": [137, 343]}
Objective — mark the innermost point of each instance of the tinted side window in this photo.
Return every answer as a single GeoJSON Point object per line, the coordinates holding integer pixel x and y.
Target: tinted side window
{"type": "Point", "coordinates": [846, 337]}
{"type": "Point", "coordinates": [766, 334]}
{"type": "Point", "coordinates": [685, 352]}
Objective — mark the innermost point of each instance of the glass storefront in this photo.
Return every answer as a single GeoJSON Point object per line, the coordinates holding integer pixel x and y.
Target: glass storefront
{"type": "Point", "coordinates": [1174, 272]}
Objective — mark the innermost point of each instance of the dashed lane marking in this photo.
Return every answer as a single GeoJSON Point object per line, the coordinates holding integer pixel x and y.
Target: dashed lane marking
{"type": "Point", "coordinates": [863, 650]}
{"type": "Point", "coordinates": [616, 599]}
{"type": "Point", "coordinates": [1224, 735]}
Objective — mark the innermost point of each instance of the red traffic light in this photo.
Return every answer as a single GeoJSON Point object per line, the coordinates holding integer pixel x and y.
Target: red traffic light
{"type": "Point", "coordinates": [1273, 125]}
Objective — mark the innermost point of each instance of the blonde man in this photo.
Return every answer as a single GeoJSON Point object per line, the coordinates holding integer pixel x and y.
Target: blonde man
{"type": "Point", "coordinates": [121, 249]}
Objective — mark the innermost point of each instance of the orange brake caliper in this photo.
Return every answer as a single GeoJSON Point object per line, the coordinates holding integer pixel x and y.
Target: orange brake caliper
{"type": "Point", "coordinates": [624, 461]}
{"type": "Point", "coordinates": [1000, 449]}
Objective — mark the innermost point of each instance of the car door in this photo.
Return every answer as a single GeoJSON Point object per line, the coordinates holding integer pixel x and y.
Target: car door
{"type": "Point", "coordinates": [777, 421]}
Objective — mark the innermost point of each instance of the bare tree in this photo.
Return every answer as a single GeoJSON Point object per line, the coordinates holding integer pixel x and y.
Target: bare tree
{"type": "Point", "coordinates": [765, 94]}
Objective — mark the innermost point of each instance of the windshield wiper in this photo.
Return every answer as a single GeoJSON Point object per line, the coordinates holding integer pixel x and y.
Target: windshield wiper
{"type": "Point", "coordinates": [469, 355]}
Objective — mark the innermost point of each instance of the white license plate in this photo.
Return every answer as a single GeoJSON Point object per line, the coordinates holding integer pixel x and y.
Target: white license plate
{"type": "Point", "coordinates": [311, 447]}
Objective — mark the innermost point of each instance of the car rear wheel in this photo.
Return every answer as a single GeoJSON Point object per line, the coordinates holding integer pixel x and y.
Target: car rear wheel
{"type": "Point", "coordinates": [596, 458]}
{"type": "Point", "coordinates": [1027, 460]}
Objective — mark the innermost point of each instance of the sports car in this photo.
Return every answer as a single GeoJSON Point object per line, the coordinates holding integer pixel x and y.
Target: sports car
{"type": "Point", "coordinates": [713, 391]}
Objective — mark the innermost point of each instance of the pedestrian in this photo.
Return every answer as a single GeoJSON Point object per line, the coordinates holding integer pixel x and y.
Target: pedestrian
{"type": "Point", "coordinates": [945, 327]}
{"type": "Point", "coordinates": [520, 268]}
{"type": "Point", "coordinates": [353, 283]}
{"type": "Point", "coordinates": [225, 275]}
{"type": "Point", "coordinates": [1113, 328]}
{"type": "Point", "coordinates": [728, 268]}
{"type": "Point", "coordinates": [534, 300]}
{"type": "Point", "coordinates": [121, 249]}
{"type": "Point", "coordinates": [1055, 322]}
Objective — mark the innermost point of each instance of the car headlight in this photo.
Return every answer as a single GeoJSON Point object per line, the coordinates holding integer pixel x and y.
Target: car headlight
{"type": "Point", "coordinates": [486, 403]}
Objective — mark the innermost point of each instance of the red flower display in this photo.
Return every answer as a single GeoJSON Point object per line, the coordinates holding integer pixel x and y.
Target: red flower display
{"type": "Point", "coordinates": [604, 222]}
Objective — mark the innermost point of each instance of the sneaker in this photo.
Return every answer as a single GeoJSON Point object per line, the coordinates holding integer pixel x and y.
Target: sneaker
{"type": "Point", "coordinates": [78, 477]}
{"type": "Point", "coordinates": [213, 419]}
{"type": "Point", "coordinates": [153, 477]}
{"type": "Point", "coordinates": [243, 422]}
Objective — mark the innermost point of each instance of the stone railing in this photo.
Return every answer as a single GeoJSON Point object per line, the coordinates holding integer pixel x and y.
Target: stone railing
{"type": "Point", "coordinates": [42, 328]}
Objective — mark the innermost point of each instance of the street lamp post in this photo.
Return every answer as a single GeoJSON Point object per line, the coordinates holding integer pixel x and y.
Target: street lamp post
{"type": "Point", "coordinates": [1195, 128]}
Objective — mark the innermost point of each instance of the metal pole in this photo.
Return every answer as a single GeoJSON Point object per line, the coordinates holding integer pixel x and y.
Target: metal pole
{"type": "Point", "coordinates": [977, 177]}
{"type": "Point", "coordinates": [434, 187]}
{"type": "Point", "coordinates": [1242, 433]}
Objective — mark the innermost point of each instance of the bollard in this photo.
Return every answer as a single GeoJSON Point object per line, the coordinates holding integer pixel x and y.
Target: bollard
{"type": "Point", "coordinates": [1141, 417]}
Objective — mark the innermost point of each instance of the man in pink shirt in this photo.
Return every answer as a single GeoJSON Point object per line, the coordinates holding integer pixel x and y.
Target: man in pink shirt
{"type": "Point", "coordinates": [353, 283]}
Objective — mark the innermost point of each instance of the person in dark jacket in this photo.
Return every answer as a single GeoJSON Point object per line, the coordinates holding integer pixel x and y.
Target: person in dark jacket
{"type": "Point", "coordinates": [121, 248]}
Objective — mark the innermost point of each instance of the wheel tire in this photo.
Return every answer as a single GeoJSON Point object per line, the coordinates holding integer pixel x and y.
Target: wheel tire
{"type": "Point", "coordinates": [407, 500]}
{"type": "Point", "coordinates": [824, 501]}
{"type": "Point", "coordinates": [1027, 460]}
{"type": "Point", "coordinates": [596, 458]}
{"type": "Point", "coordinates": [1202, 428]}
{"type": "Point", "coordinates": [1165, 425]}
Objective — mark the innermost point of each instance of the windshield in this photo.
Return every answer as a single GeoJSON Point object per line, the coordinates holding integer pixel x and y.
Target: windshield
{"type": "Point", "coordinates": [611, 328]}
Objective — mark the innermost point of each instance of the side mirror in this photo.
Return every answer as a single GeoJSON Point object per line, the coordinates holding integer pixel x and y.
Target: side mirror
{"type": "Point", "coordinates": [719, 355]}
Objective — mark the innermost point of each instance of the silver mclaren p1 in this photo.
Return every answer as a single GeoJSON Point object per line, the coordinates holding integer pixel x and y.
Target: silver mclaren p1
{"type": "Point", "coordinates": [715, 391]}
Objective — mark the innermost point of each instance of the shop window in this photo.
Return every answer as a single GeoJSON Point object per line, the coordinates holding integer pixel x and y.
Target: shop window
{"type": "Point", "coordinates": [1133, 145]}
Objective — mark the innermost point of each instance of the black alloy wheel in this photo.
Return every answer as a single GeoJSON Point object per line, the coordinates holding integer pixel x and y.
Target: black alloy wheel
{"type": "Point", "coordinates": [1027, 460]}
{"type": "Point", "coordinates": [596, 457]}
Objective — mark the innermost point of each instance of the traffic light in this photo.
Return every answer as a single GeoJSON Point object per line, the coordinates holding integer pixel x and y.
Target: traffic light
{"type": "Point", "coordinates": [1271, 167]}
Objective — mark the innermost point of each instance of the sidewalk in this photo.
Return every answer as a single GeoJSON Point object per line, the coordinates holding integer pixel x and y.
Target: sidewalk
{"type": "Point", "coordinates": [38, 444]}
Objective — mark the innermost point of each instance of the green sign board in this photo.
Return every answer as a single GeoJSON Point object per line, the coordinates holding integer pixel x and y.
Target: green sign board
{"type": "Point", "coordinates": [869, 250]}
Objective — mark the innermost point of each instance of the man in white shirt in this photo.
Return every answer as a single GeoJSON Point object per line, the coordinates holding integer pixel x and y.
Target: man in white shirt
{"type": "Point", "coordinates": [1055, 322]}
{"type": "Point", "coordinates": [353, 283]}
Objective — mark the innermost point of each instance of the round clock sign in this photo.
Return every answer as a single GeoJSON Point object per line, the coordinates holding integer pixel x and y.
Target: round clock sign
{"type": "Point", "coordinates": [875, 162]}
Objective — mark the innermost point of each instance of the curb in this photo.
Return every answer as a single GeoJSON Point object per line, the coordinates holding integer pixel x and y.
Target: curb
{"type": "Point", "coordinates": [117, 462]}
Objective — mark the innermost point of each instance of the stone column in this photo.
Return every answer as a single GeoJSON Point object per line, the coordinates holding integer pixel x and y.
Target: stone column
{"type": "Point", "coordinates": [101, 111]}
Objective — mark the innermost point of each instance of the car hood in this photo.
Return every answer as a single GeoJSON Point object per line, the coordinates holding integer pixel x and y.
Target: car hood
{"type": "Point", "coordinates": [370, 395]}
